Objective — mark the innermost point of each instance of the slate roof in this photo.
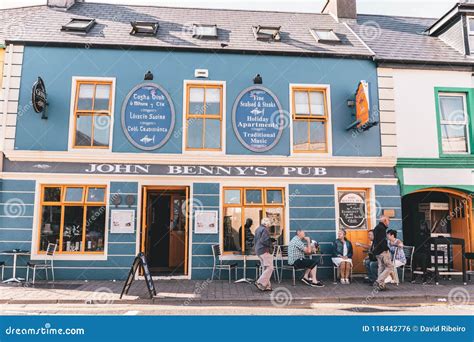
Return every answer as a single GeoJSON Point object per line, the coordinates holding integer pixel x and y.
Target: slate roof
{"type": "Point", "coordinates": [402, 39]}
{"type": "Point", "coordinates": [41, 24]}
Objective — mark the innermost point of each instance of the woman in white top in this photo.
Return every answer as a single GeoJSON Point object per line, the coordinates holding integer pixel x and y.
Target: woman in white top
{"type": "Point", "coordinates": [342, 252]}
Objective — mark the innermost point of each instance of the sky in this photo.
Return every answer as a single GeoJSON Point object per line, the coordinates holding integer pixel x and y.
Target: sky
{"type": "Point", "coordinates": [416, 8]}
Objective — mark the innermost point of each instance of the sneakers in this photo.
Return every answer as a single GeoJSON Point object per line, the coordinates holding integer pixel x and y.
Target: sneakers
{"type": "Point", "coordinates": [306, 281]}
{"type": "Point", "coordinates": [318, 284]}
{"type": "Point", "coordinates": [345, 281]}
{"type": "Point", "coordinates": [260, 286]}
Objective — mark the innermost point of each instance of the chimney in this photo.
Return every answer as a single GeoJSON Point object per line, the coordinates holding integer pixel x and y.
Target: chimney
{"type": "Point", "coordinates": [61, 4]}
{"type": "Point", "coordinates": [341, 9]}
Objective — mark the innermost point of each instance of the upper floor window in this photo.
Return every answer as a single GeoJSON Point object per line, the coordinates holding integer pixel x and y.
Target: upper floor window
{"type": "Point", "coordinates": [310, 119]}
{"type": "Point", "coordinates": [73, 217]}
{"type": "Point", "coordinates": [454, 123]}
{"type": "Point", "coordinates": [92, 114]}
{"type": "Point", "coordinates": [204, 117]}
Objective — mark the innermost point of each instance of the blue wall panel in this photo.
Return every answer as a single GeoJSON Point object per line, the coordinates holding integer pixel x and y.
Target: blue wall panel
{"type": "Point", "coordinates": [170, 69]}
{"type": "Point", "coordinates": [388, 197]}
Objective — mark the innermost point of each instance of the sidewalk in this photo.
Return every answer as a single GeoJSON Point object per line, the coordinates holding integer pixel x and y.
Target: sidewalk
{"type": "Point", "coordinates": [191, 292]}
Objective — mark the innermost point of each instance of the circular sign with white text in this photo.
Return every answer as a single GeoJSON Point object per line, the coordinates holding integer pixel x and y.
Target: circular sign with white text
{"type": "Point", "coordinates": [352, 210]}
{"type": "Point", "coordinates": [257, 118]}
{"type": "Point", "coordinates": [148, 116]}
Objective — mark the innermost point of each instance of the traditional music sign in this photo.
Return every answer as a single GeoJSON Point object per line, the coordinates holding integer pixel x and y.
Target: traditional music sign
{"type": "Point", "coordinates": [257, 119]}
{"type": "Point", "coordinates": [148, 116]}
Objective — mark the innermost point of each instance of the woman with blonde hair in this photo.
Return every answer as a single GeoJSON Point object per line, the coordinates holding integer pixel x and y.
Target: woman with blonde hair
{"type": "Point", "coordinates": [342, 256]}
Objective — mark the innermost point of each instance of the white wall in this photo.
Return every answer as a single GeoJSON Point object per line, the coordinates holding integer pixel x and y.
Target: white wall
{"type": "Point", "coordinates": [415, 111]}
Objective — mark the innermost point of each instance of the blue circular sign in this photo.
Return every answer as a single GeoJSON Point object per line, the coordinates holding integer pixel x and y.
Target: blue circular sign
{"type": "Point", "coordinates": [148, 116]}
{"type": "Point", "coordinates": [257, 118]}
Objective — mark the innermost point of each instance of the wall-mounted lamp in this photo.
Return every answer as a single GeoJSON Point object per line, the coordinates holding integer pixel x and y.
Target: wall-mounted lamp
{"type": "Point", "coordinates": [148, 76]}
{"type": "Point", "coordinates": [258, 79]}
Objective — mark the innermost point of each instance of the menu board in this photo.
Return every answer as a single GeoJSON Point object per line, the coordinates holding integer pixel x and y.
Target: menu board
{"type": "Point", "coordinates": [257, 118]}
{"type": "Point", "coordinates": [206, 222]}
{"type": "Point", "coordinates": [352, 210]}
{"type": "Point", "coordinates": [148, 116]}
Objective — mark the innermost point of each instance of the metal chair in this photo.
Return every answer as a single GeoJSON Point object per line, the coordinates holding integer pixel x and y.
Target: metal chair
{"type": "Point", "coordinates": [48, 263]}
{"type": "Point", "coordinates": [2, 265]}
{"type": "Point", "coordinates": [292, 268]}
{"type": "Point", "coordinates": [409, 251]}
{"type": "Point", "coordinates": [470, 266]}
{"type": "Point", "coordinates": [218, 265]}
{"type": "Point", "coordinates": [259, 267]}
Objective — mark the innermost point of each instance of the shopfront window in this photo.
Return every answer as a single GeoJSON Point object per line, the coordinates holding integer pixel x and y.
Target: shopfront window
{"type": "Point", "coordinates": [204, 117]}
{"type": "Point", "coordinates": [454, 123]}
{"type": "Point", "coordinates": [73, 217]}
{"type": "Point", "coordinates": [310, 116]}
{"type": "Point", "coordinates": [92, 114]}
{"type": "Point", "coordinates": [244, 208]}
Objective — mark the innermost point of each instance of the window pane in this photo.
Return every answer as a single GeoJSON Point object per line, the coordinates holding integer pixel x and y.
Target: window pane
{"type": "Point", "coordinates": [232, 196]}
{"type": "Point", "coordinates": [196, 101]}
{"type": "Point", "coordinates": [84, 101]}
{"type": "Point", "coordinates": [232, 224]}
{"type": "Point", "coordinates": [454, 138]}
{"type": "Point", "coordinates": [50, 226]}
{"type": "Point", "coordinates": [95, 229]}
{"type": "Point", "coordinates": [74, 194]}
{"type": "Point", "coordinates": [253, 196]}
{"type": "Point", "coordinates": [101, 130]}
{"type": "Point", "coordinates": [195, 133]}
{"type": "Point", "coordinates": [301, 102]}
{"type": "Point", "coordinates": [52, 194]}
{"type": "Point", "coordinates": [300, 135]}
{"type": "Point", "coordinates": [252, 219]}
{"type": "Point", "coordinates": [276, 229]}
{"type": "Point", "coordinates": [452, 109]}
{"type": "Point", "coordinates": [274, 197]}
{"type": "Point", "coordinates": [83, 130]}
{"type": "Point", "coordinates": [471, 24]}
{"type": "Point", "coordinates": [102, 94]}
{"type": "Point", "coordinates": [73, 224]}
{"type": "Point", "coordinates": [213, 101]}
{"type": "Point", "coordinates": [317, 136]}
{"type": "Point", "coordinates": [95, 195]}
{"type": "Point", "coordinates": [213, 134]}
{"type": "Point", "coordinates": [317, 103]}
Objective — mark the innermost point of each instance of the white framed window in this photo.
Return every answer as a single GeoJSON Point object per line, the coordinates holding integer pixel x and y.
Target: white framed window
{"type": "Point", "coordinates": [324, 35]}
{"type": "Point", "coordinates": [204, 116]}
{"type": "Point", "coordinates": [92, 113]}
{"type": "Point", "coordinates": [310, 118]}
{"type": "Point", "coordinates": [454, 123]}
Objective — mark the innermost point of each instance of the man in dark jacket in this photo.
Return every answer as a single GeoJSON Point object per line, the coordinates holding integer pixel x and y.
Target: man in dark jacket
{"type": "Point", "coordinates": [263, 246]}
{"type": "Point", "coordinates": [382, 253]}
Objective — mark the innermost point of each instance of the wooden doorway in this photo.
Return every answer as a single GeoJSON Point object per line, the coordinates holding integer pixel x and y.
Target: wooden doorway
{"type": "Point", "coordinates": [164, 234]}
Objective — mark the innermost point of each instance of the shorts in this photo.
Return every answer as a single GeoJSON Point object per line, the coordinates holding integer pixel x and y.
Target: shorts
{"type": "Point", "coordinates": [305, 263]}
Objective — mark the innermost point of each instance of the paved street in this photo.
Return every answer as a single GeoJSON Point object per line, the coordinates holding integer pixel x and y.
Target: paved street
{"type": "Point", "coordinates": [313, 309]}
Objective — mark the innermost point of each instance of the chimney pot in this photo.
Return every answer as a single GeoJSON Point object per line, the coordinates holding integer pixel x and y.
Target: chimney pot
{"type": "Point", "coordinates": [341, 9]}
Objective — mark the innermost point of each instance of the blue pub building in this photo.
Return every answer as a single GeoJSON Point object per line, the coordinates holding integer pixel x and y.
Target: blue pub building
{"type": "Point", "coordinates": [169, 130]}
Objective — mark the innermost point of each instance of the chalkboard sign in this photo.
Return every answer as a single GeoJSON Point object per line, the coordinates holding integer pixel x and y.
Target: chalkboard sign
{"type": "Point", "coordinates": [148, 116]}
{"type": "Point", "coordinates": [140, 260]}
{"type": "Point", "coordinates": [352, 213]}
{"type": "Point", "coordinates": [257, 119]}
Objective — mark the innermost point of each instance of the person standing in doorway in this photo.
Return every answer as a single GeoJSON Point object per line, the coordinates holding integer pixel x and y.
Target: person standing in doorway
{"type": "Point", "coordinates": [382, 253]}
{"type": "Point", "coordinates": [263, 248]}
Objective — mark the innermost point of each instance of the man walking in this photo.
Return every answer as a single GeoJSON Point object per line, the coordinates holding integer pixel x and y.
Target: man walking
{"type": "Point", "coordinates": [382, 253]}
{"type": "Point", "coordinates": [263, 248]}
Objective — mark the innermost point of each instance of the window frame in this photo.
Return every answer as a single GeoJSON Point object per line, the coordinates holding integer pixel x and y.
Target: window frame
{"type": "Point", "coordinates": [63, 204]}
{"type": "Point", "coordinates": [76, 80]}
{"type": "Point", "coordinates": [468, 94]}
{"type": "Point", "coordinates": [314, 33]}
{"type": "Point", "coordinates": [243, 205]}
{"type": "Point", "coordinates": [187, 85]}
{"type": "Point", "coordinates": [325, 88]}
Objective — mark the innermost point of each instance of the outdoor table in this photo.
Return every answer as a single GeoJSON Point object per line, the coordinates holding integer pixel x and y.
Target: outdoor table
{"type": "Point", "coordinates": [15, 253]}
{"type": "Point", "coordinates": [245, 279]}
{"type": "Point", "coordinates": [441, 240]}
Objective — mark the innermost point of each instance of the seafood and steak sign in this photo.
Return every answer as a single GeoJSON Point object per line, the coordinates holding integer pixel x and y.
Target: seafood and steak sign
{"type": "Point", "coordinates": [148, 116]}
{"type": "Point", "coordinates": [257, 118]}
{"type": "Point", "coordinates": [352, 210]}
